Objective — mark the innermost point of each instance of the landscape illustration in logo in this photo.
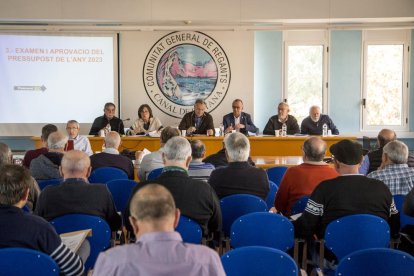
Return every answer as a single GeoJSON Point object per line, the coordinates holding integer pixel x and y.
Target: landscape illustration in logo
{"type": "Point", "coordinates": [186, 73]}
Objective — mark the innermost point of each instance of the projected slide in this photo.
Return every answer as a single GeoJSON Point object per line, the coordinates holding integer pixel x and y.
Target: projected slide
{"type": "Point", "coordinates": [55, 78]}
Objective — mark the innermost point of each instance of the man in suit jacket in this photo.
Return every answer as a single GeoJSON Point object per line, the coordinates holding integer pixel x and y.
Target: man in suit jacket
{"type": "Point", "coordinates": [238, 120]}
{"type": "Point", "coordinates": [198, 121]}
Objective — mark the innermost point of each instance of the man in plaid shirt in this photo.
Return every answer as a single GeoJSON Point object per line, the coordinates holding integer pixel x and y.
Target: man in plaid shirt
{"type": "Point", "coordinates": [394, 171]}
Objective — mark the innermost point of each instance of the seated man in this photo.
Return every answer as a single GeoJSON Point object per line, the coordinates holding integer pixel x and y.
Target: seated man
{"type": "Point", "coordinates": [198, 121]}
{"type": "Point", "coordinates": [239, 177]}
{"type": "Point", "coordinates": [372, 161]}
{"type": "Point", "coordinates": [195, 198]}
{"type": "Point", "coordinates": [110, 156]}
{"type": "Point", "coordinates": [76, 195]}
{"type": "Point", "coordinates": [198, 169]}
{"type": "Point", "coordinates": [32, 154]}
{"type": "Point", "coordinates": [313, 124]}
{"type": "Point", "coordinates": [301, 180]}
{"type": "Point", "coordinates": [238, 120]}
{"type": "Point", "coordinates": [348, 194]}
{"type": "Point", "coordinates": [159, 250]}
{"type": "Point", "coordinates": [275, 122]}
{"type": "Point", "coordinates": [46, 166]}
{"type": "Point", "coordinates": [108, 122]}
{"type": "Point", "coordinates": [394, 171]}
{"type": "Point", "coordinates": [79, 142]}
{"type": "Point", "coordinates": [34, 190]}
{"type": "Point", "coordinates": [153, 160]}
{"type": "Point", "coordinates": [21, 229]}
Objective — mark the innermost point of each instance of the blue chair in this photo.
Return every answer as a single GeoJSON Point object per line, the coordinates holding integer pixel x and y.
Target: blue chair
{"type": "Point", "coordinates": [189, 230]}
{"type": "Point", "coordinates": [154, 174]}
{"type": "Point", "coordinates": [275, 174]}
{"type": "Point", "coordinates": [101, 233]}
{"type": "Point", "coordinates": [355, 232]}
{"type": "Point", "coordinates": [299, 205]}
{"type": "Point", "coordinates": [44, 183]}
{"type": "Point", "coordinates": [279, 231]}
{"type": "Point", "coordinates": [270, 199]}
{"type": "Point", "coordinates": [234, 206]}
{"type": "Point", "coordinates": [105, 174]}
{"type": "Point", "coordinates": [376, 261]}
{"type": "Point", "coordinates": [404, 219]}
{"type": "Point", "coordinates": [23, 261]}
{"type": "Point", "coordinates": [258, 260]}
{"type": "Point", "coordinates": [121, 190]}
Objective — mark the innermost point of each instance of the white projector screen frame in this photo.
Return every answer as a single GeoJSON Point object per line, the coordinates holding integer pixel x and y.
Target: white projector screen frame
{"type": "Point", "coordinates": [53, 78]}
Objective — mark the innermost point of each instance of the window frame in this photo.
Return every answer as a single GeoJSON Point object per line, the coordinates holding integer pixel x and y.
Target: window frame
{"type": "Point", "coordinates": [386, 37]}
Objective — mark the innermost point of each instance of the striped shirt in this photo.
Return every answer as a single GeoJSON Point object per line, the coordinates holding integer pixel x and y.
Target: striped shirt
{"type": "Point", "coordinates": [68, 262]}
{"type": "Point", "coordinates": [398, 177]}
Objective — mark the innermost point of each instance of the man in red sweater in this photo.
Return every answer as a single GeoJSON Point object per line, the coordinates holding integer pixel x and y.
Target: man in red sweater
{"type": "Point", "coordinates": [301, 180]}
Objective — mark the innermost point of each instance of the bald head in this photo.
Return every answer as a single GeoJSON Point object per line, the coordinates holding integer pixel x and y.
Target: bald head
{"type": "Point", "coordinates": [56, 141]}
{"type": "Point", "coordinates": [5, 154]}
{"type": "Point", "coordinates": [112, 140]}
{"type": "Point", "coordinates": [314, 149]}
{"type": "Point", "coordinates": [75, 164]}
{"type": "Point", "coordinates": [385, 136]}
{"type": "Point", "coordinates": [153, 210]}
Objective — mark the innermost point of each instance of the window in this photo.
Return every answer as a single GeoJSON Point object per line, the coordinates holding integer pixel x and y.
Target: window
{"type": "Point", "coordinates": [305, 71]}
{"type": "Point", "coordinates": [385, 91]}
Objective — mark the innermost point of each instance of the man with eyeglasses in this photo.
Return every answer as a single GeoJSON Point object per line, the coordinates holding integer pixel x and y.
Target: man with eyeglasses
{"type": "Point", "coordinates": [80, 142]}
{"type": "Point", "coordinates": [238, 120]}
{"type": "Point", "coordinates": [108, 122]}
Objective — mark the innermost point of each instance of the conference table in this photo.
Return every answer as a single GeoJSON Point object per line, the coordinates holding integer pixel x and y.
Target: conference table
{"type": "Point", "coordinates": [266, 151]}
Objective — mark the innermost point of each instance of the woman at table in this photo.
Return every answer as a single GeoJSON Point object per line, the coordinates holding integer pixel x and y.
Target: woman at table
{"type": "Point", "coordinates": [146, 122]}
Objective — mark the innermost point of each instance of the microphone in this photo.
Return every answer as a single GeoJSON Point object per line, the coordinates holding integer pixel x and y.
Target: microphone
{"type": "Point", "coordinates": [120, 121]}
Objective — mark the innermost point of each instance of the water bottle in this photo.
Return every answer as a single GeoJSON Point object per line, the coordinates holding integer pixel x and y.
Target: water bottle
{"type": "Point", "coordinates": [221, 130]}
{"type": "Point", "coordinates": [325, 130]}
{"type": "Point", "coordinates": [284, 130]}
{"type": "Point", "coordinates": [108, 128]}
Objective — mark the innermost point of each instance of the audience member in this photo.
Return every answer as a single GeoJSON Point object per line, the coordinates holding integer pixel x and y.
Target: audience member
{"type": "Point", "coordinates": [239, 177]}
{"type": "Point", "coordinates": [313, 124]}
{"type": "Point", "coordinates": [301, 180]}
{"type": "Point", "coordinates": [198, 169]}
{"type": "Point", "coordinates": [108, 122]}
{"type": "Point", "coordinates": [345, 195]}
{"type": "Point", "coordinates": [46, 166]}
{"type": "Point", "coordinates": [198, 121]}
{"type": "Point", "coordinates": [32, 154]}
{"type": "Point", "coordinates": [276, 122]}
{"type": "Point", "coordinates": [80, 142]}
{"type": "Point", "coordinates": [195, 198]}
{"type": "Point", "coordinates": [24, 230]}
{"type": "Point", "coordinates": [110, 156]}
{"type": "Point", "coordinates": [159, 250]}
{"type": "Point", "coordinates": [153, 160]}
{"type": "Point", "coordinates": [146, 122]}
{"type": "Point", "coordinates": [75, 195]}
{"type": "Point", "coordinates": [394, 171]}
{"type": "Point", "coordinates": [372, 161]}
{"type": "Point", "coordinates": [238, 120]}
{"type": "Point", "coordinates": [34, 191]}
{"type": "Point", "coordinates": [219, 159]}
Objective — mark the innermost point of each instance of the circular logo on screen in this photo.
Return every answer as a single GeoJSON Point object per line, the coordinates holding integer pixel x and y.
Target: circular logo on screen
{"type": "Point", "coordinates": [182, 67]}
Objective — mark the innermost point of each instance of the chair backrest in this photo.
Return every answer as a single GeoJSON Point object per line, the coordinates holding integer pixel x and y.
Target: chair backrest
{"type": "Point", "coordinates": [154, 173]}
{"type": "Point", "coordinates": [275, 174]}
{"type": "Point", "coordinates": [105, 174]}
{"type": "Point", "coordinates": [23, 261]}
{"type": "Point", "coordinates": [278, 231]}
{"type": "Point", "coordinates": [376, 261]}
{"type": "Point", "coordinates": [121, 190]}
{"type": "Point", "coordinates": [356, 232]}
{"type": "Point", "coordinates": [189, 230]}
{"type": "Point", "coordinates": [270, 199]}
{"type": "Point", "coordinates": [44, 183]}
{"type": "Point", "coordinates": [299, 205]}
{"type": "Point", "coordinates": [258, 260]}
{"type": "Point", "coordinates": [404, 219]}
{"type": "Point", "coordinates": [234, 206]}
{"type": "Point", "coordinates": [101, 233]}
